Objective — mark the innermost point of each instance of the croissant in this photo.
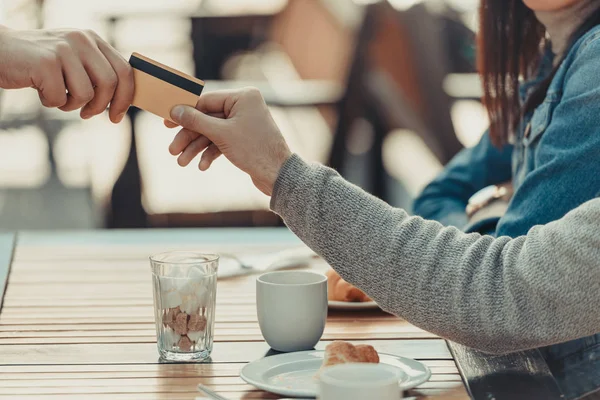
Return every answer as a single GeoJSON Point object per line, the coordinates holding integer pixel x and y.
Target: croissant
{"type": "Point", "coordinates": [340, 290]}
{"type": "Point", "coordinates": [339, 352]}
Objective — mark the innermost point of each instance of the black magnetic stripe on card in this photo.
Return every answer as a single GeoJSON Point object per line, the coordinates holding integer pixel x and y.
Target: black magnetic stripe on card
{"type": "Point", "coordinates": [165, 75]}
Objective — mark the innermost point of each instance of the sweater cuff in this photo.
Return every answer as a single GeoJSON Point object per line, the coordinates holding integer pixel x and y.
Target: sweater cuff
{"type": "Point", "coordinates": [291, 173]}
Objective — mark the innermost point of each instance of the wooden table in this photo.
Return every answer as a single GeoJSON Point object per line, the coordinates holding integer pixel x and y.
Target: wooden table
{"type": "Point", "coordinates": [77, 320]}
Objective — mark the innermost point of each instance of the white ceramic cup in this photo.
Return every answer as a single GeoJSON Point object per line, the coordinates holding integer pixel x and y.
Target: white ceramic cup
{"type": "Point", "coordinates": [292, 309]}
{"type": "Point", "coordinates": [360, 381]}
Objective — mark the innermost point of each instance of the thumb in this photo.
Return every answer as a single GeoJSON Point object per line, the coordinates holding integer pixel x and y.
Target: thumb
{"type": "Point", "coordinates": [196, 121]}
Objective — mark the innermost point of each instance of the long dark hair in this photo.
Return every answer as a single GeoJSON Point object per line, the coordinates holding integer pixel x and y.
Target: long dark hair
{"type": "Point", "coordinates": [510, 45]}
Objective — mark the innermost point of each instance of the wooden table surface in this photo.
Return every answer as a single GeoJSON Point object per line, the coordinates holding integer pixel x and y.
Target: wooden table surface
{"type": "Point", "coordinates": [77, 320]}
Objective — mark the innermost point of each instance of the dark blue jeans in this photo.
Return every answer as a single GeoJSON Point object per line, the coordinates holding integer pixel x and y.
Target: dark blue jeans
{"type": "Point", "coordinates": [575, 365]}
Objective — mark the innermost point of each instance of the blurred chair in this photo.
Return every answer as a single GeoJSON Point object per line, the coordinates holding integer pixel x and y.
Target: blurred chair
{"type": "Point", "coordinates": [396, 82]}
{"type": "Point", "coordinates": [394, 79]}
{"type": "Point", "coordinates": [218, 29]}
{"type": "Point", "coordinates": [390, 65]}
{"type": "Point", "coordinates": [46, 197]}
{"type": "Point", "coordinates": [283, 86]}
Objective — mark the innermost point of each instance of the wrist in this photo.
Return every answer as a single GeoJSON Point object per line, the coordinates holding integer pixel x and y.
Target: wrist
{"type": "Point", "coordinates": [5, 67]}
{"type": "Point", "coordinates": [4, 31]}
{"type": "Point", "coordinates": [275, 170]}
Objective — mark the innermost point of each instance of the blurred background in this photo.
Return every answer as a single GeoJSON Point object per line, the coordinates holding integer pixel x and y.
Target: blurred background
{"type": "Point", "coordinates": [383, 91]}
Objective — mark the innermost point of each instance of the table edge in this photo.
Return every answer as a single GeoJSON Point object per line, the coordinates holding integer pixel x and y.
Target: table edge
{"type": "Point", "coordinates": [185, 236]}
{"type": "Point", "coordinates": [8, 242]}
{"type": "Point", "coordinates": [477, 372]}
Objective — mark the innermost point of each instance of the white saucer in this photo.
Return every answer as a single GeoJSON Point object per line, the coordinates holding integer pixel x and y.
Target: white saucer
{"type": "Point", "coordinates": [294, 374]}
{"type": "Point", "coordinates": [346, 305]}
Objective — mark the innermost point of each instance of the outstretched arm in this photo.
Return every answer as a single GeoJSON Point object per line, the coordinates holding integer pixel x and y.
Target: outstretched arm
{"type": "Point", "coordinates": [497, 295]}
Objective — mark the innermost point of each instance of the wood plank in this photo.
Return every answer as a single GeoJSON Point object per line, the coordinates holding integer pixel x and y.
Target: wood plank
{"type": "Point", "coordinates": [438, 381]}
{"type": "Point", "coordinates": [157, 370]}
{"type": "Point", "coordinates": [89, 371]}
{"type": "Point", "coordinates": [108, 259]}
{"type": "Point", "coordinates": [518, 376]}
{"type": "Point", "coordinates": [126, 238]}
{"type": "Point", "coordinates": [146, 353]}
{"type": "Point", "coordinates": [110, 320]}
{"type": "Point", "coordinates": [115, 272]}
{"type": "Point", "coordinates": [110, 288]}
{"type": "Point", "coordinates": [122, 244]}
{"type": "Point", "coordinates": [20, 379]}
{"type": "Point", "coordinates": [7, 246]}
{"type": "Point", "coordinates": [147, 311]}
{"type": "Point", "coordinates": [135, 396]}
{"type": "Point", "coordinates": [222, 339]}
{"type": "Point", "coordinates": [62, 325]}
{"type": "Point", "coordinates": [233, 334]}
{"type": "Point", "coordinates": [219, 338]}
{"type": "Point", "coordinates": [222, 299]}
{"type": "Point", "coordinates": [222, 315]}
{"type": "Point", "coordinates": [57, 330]}
{"type": "Point", "coordinates": [426, 394]}
{"type": "Point", "coordinates": [43, 302]}
{"type": "Point", "coordinates": [150, 396]}
{"type": "Point", "coordinates": [423, 394]}
{"type": "Point", "coordinates": [146, 396]}
{"type": "Point", "coordinates": [150, 385]}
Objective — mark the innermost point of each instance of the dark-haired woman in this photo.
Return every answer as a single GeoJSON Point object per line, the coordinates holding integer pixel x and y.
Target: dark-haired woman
{"type": "Point", "coordinates": [497, 295]}
{"type": "Point", "coordinates": [544, 138]}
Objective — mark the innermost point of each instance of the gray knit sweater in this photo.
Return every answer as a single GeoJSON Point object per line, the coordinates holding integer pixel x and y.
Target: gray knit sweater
{"type": "Point", "coordinates": [496, 295]}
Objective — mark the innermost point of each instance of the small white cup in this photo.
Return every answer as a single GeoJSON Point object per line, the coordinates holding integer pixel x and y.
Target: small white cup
{"type": "Point", "coordinates": [292, 309]}
{"type": "Point", "coordinates": [360, 381]}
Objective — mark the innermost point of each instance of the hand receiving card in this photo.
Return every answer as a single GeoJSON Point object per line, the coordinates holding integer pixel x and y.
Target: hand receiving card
{"type": "Point", "coordinates": [159, 88]}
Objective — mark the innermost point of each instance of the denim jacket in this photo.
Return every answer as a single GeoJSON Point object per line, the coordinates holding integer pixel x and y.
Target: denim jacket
{"type": "Point", "coordinates": [554, 165]}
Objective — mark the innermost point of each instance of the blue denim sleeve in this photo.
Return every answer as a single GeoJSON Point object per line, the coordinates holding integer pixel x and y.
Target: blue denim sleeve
{"type": "Point", "coordinates": [446, 198]}
{"type": "Point", "coordinates": [567, 159]}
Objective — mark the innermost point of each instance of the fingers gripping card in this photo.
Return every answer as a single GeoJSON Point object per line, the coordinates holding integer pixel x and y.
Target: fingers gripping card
{"type": "Point", "coordinates": [159, 88]}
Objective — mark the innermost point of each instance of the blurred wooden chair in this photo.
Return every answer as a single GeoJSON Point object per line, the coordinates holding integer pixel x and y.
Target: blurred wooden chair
{"type": "Point", "coordinates": [396, 82]}
{"type": "Point", "coordinates": [390, 65]}
{"type": "Point", "coordinates": [125, 209]}
{"type": "Point", "coordinates": [302, 26]}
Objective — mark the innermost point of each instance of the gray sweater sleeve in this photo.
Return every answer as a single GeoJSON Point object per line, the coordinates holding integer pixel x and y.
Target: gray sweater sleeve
{"type": "Point", "coordinates": [496, 295]}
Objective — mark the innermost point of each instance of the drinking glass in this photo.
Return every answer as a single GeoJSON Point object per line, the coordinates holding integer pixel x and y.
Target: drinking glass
{"type": "Point", "coordinates": [185, 289]}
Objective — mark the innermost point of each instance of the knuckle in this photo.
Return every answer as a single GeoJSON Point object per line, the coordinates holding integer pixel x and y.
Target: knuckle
{"type": "Point", "coordinates": [54, 101]}
{"type": "Point", "coordinates": [124, 71]}
{"type": "Point", "coordinates": [252, 92]}
{"type": "Point", "coordinates": [187, 136]}
{"type": "Point", "coordinates": [81, 37]}
{"type": "Point", "coordinates": [83, 96]}
{"type": "Point", "coordinates": [91, 34]}
{"type": "Point", "coordinates": [199, 143]}
{"type": "Point", "coordinates": [60, 103]}
{"type": "Point", "coordinates": [191, 119]}
{"type": "Point", "coordinates": [88, 96]}
{"type": "Point", "coordinates": [61, 100]}
{"type": "Point", "coordinates": [63, 48]}
{"type": "Point", "coordinates": [112, 80]}
{"type": "Point", "coordinates": [74, 35]}
{"type": "Point", "coordinates": [49, 61]}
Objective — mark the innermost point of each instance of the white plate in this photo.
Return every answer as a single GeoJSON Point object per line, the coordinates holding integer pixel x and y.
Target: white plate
{"type": "Point", "coordinates": [293, 374]}
{"type": "Point", "coordinates": [346, 305]}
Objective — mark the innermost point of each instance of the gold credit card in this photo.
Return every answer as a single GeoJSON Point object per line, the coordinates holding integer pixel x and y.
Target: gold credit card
{"type": "Point", "coordinates": [159, 88]}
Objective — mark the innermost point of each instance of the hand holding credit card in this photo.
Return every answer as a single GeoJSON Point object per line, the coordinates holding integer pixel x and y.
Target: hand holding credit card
{"type": "Point", "coordinates": [158, 88]}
